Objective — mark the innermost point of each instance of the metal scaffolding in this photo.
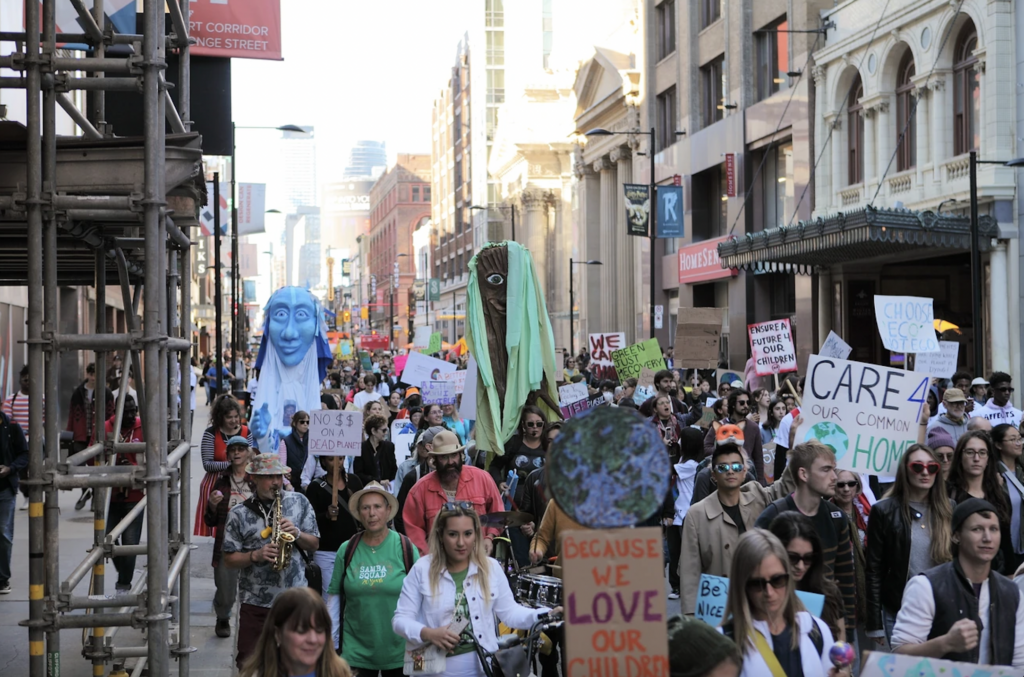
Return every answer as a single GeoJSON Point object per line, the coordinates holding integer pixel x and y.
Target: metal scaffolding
{"type": "Point", "coordinates": [101, 209]}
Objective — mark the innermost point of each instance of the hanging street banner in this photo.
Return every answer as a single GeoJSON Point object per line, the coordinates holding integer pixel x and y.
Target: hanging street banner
{"type": "Point", "coordinates": [835, 347]}
{"type": "Point", "coordinates": [245, 30]}
{"type": "Point", "coordinates": [771, 346]}
{"type": "Point", "coordinates": [601, 348]}
{"type": "Point", "coordinates": [252, 208]}
{"type": "Point", "coordinates": [629, 362]}
{"type": "Point", "coordinates": [433, 289]}
{"type": "Point", "coordinates": [941, 364]}
{"type": "Point", "coordinates": [638, 208]}
{"type": "Point", "coordinates": [670, 211]}
{"type": "Point", "coordinates": [866, 413]}
{"type": "Point", "coordinates": [906, 324]}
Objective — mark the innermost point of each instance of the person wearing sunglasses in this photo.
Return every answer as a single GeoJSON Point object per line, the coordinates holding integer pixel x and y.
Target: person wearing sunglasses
{"type": "Point", "coordinates": [376, 461]}
{"type": "Point", "coordinates": [297, 445]}
{"type": "Point", "coordinates": [908, 533]}
{"type": "Point", "coordinates": [451, 596]}
{"type": "Point", "coordinates": [767, 620]}
{"type": "Point", "coordinates": [738, 405]}
{"type": "Point", "coordinates": [1000, 409]}
{"type": "Point", "coordinates": [943, 444]}
{"type": "Point", "coordinates": [1007, 442]}
{"type": "Point", "coordinates": [964, 610]}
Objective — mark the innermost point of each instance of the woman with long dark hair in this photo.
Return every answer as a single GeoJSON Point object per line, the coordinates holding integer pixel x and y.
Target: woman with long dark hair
{"type": "Point", "coordinates": [376, 462]}
{"type": "Point", "coordinates": [975, 474]}
{"type": "Point", "coordinates": [225, 423]}
{"type": "Point", "coordinates": [909, 532]}
{"type": "Point", "coordinates": [1006, 441]}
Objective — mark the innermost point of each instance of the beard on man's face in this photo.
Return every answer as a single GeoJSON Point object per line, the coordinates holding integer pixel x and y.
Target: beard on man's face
{"type": "Point", "coordinates": [450, 470]}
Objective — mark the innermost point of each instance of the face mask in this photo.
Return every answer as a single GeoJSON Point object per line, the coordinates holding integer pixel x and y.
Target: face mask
{"type": "Point", "coordinates": [608, 396]}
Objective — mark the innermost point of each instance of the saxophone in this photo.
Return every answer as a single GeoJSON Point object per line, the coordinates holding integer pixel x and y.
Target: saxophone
{"type": "Point", "coordinates": [281, 538]}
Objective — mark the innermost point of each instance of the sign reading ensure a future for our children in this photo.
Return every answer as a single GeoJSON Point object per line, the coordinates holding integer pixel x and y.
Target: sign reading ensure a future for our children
{"type": "Point", "coordinates": [771, 346]}
{"type": "Point", "coordinates": [906, 324]}
{"type": "Point", "coordinates": [867, 414]}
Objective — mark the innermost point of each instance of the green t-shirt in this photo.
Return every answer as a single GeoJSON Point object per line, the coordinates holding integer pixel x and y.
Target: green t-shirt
{"type": "Point", "coordinates": [373, 584]}
{"type": "Point", "coordinates": [462, 612]}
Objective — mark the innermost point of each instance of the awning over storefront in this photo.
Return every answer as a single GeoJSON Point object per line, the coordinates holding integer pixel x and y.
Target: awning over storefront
{"type": "Point", "coordinates": [845, 237]}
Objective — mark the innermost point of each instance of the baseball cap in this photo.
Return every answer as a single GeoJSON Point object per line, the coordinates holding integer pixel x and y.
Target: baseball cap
{"type": "Point", "coordinates": [729, 433]}
{"type": "Point", "coordinates": [429, 433]}
{"type": "Point", "coordinates": [954, 395]}
{"type": "Point", "coordinates": [237, 439]}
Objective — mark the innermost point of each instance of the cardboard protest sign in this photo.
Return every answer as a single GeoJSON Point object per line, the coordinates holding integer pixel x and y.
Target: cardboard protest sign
{"type": "Point", "coordinates": [457, 379]}
{"type": "Point", "coordinates": [708, 413]}
{"type": "Point", "coordinates": [835, 347]}
{"type": "Point", "coordinates": [906, 324]}
{"type": "Point", "coordinates": [601, 348]}
{"type": "Point", "coordinates": [814, 602]}
{"type": "Point", "coordinates": [434, 346]}
{"type": "Point", "coordinates": [941, 364]}
{"type": "Point", "coordinates": [866, 413]}
{"type": "Point", "coordinates": [712, 594]}
{"type": "Point", "coordinates": [573, 398]}
{"type": "Point", "coordinates": [698, 334]}
{"type": "Point", "coordinates": [403, 451]}
{"type": "Point", "coordinates": [335, 433]}
{"type": "Point", "coordinates": [420, 368]}
{"type": "Point", "coordinates": [646, 378]}
{"type": "Point", "coordinates": [437, 392]}
{"type": "Point", "coordinates": [615, 607]}
{"type": "Point", "coordinates": [878, 664]}
{"type": "Point", "coordinates": [644, 393]}
{"type": "Point", "coordinates": [467, 408]}
{"type": "Point", "coordinates": [422, 337]}
{"type": "Point", "coordinates": [644, 355]}
{"type": "Point", "coordinates": [399, 363]}
{"type": "Point", "coordinates": [771, 346]}
{"type": "Point", "coordinates": [365, 363]}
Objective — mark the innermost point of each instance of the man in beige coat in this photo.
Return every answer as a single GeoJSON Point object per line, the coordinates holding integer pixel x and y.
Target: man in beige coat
{"type": "Point", "coordinates": [713, 526]}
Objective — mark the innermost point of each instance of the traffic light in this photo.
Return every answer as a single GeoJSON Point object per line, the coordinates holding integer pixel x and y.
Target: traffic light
{"type": "Point", "coordinates": [346, 316]}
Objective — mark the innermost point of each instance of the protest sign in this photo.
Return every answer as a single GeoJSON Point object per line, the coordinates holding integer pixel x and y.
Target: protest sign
{"type": "Point", "coordinates": [906, 324]}
{"type": "Point", "coordinates": [940, 364]}
{"type": "Point", "coordinates": [434, 346]}
{"type": "Point", "coordinates": [615, 606]}
{"type": "Point", "coordinates": [422, 337]}
{"type": "Point", "coordinates": [629, 361]}
{"type": "Point", "coordinates": [708, 413]}
{"type": "Point", "coordinates": [814, 602]}
{"type": "Point", "coordinates": [397, 425]}
{"type": "Point", "coordinates": [835, 347]}
{"type": "Point", "coordinates": [403, 450]}
{"type": "Point", "coordinates": [399, 363]}
{"type": "Point", "coordinates": [365, 363]}
{"type": "Point", "coordinates": [420, 368]}
{"type": "Point", "coordinates": [644, 393]}
{"type": "Point", "coordinates": [333, 432]}
{"type": "Point", "coordinates": [457, 379]}
{"type": "Point", "coordinates": [878, 664]}
{"type": "Point", "coordinates": [572, 392]}
{"type": "Point", "coordinates": [866, 413]}
{"type": "Point", "coordinates": [467, 408]}
{"type": "Point", "coordinates": [437, 392]}
{"type": "Point", "coordinates": [771, 346]}
{"type": "Point", "coordinates": [601, 348]}
{"type": "Point", "coordinates": [646, 379]}
{"type": "Point", "coordinates": [712, 594]}
{"type": "Point", "coordinates": [698, 333]}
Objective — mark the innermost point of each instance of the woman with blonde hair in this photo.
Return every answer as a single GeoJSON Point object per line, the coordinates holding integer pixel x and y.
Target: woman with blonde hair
{"type": "Point", "coordinates": [295, 640]}
{"type": "Point", "coordinates": [909, 532]}
{"type": "Point", "coordinates": [450, 597]}
{"type": "Point", "coordinates": [766, 619]}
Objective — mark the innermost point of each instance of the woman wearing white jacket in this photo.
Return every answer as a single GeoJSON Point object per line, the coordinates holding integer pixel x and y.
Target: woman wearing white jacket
{"type": "Point", "coordinates": [766, 619]}
{"type": "Point", "coordinates": [450, 598]}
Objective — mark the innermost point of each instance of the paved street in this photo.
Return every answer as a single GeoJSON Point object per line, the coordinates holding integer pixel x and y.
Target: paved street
{"type": "Point", "coordinates": [213, 657]}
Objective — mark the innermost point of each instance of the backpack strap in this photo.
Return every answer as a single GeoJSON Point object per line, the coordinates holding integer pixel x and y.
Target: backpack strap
{"type": "Point", "coordinates": [350, 552]}
{"type": "Point", "coordinates": [407, 556]}
{"type": "Point", "coordinates": [816, 637]}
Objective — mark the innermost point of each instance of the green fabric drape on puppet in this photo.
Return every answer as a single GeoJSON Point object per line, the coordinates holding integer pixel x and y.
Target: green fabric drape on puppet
{"type": "Point", "coordinates": [509, 334]}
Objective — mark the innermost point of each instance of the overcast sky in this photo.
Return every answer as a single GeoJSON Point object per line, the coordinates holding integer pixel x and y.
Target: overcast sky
{"type": "Point", "coordinates": [353, 70]}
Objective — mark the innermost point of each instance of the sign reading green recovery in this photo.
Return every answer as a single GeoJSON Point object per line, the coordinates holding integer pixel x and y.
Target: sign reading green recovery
{"type": "Point", "coordinates": [867, 414]}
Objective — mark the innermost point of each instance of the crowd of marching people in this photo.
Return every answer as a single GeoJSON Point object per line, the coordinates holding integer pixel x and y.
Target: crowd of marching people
{"type": "Point", "coordinates": [395, 560]}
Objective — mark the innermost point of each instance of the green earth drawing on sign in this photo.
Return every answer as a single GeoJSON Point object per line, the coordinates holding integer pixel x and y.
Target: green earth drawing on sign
{"type": "Point", "coordinates": [831, 435]}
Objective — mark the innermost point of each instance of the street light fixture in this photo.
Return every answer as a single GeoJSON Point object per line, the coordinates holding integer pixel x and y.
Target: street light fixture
{"type": "Point", "coordinates": [572, 304]}
{"type": "Point", "coordinates": [652, 217]}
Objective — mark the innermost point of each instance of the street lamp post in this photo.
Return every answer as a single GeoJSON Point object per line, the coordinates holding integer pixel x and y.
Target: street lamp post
{"type": "Point", "coordinates": [979, 335]}
{"type": "Point", "coordinates": [391, 305]}
{"type": "Point", "coordinates": [572, 305]}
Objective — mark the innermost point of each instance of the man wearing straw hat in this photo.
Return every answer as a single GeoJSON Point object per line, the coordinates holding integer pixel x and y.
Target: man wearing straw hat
{"type": "Point", "coordinates": [247, 546]}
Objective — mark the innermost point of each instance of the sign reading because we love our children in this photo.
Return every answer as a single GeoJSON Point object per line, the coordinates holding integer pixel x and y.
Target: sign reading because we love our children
{"type": "Point", "coordinates": [629, 362]}
{"type": "Point", "coordinates": [906, 324]}
{"type": "Point", "coordinates": [867, 414]}
{"type": "Point", "coordinates": [333, 432]}
{"type": "Point", "coordinates": [615, 606]}
{"type": "Point", "coordinates": [771, 347]}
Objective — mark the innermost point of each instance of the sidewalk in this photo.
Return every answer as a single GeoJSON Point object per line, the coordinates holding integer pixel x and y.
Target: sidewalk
{"type": "Point", "coordinates": [214, 657]}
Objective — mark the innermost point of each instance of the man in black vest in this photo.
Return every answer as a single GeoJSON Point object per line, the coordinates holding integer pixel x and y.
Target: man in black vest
{"type": "Point", "coordinates": [963, 610]}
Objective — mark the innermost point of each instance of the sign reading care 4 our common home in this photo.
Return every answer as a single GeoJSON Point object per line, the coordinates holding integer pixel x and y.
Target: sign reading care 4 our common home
{"type": "Point", "coordinates": [867, 414]}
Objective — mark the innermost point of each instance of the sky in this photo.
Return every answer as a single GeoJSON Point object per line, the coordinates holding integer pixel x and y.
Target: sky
{"type": "Point", "coordinates": [354, 70]}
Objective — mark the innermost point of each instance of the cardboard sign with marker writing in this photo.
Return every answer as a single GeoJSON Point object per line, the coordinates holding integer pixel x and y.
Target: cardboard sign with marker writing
{"type": "Point", "coordinates": [646, 379]}
{"type": "Point", "coordinates": [615, 607]}
{"type": "Point", "coordinates": [335, 433]}
{"type": "Point", "coordinates": [698, 333]}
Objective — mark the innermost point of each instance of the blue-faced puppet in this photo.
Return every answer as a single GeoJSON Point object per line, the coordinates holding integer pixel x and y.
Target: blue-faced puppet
{"type": "Point", "coordinates": [292, 362]}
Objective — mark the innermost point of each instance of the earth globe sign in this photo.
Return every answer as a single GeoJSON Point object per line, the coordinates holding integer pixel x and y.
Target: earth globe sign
{"type": "Point", "coordinates": [831, 435]}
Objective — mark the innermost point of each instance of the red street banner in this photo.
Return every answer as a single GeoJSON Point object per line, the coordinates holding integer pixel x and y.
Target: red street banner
{"type": "Point", "coordinates": [373, 342]}
{"type": "Point", "coordinates": [700, 262]}
{"type": "Point", "coordinates": [246, 29]}
{"type": "Point", "coordinates": [730, 174]}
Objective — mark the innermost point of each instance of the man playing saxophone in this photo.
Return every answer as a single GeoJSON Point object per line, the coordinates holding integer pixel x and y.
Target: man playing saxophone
{"type": "Point", "coordinates": [256, 538]}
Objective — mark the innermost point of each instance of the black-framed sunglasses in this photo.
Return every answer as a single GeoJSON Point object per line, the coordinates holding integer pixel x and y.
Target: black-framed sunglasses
{"type": "Point", "coordinates": [533, 424]}
{"type": "Point", "coordinates": [778, 581]}
{"type": "Point", "coordinates": [846, 485]}
{"type": "Point", "coordinates": [456, 505]}
{"type": "Point", "coordinates": [722, 468]}
{"type": "Point", "coordinates": [795, 558]}
{"type": "Point", "coordinates": [302, 422]}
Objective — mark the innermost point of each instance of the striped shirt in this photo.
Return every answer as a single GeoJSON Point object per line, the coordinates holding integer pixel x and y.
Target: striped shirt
{"type": "Point", "coordinates": [16, 409]}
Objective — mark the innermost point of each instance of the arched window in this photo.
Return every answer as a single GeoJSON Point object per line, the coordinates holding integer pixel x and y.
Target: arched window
{"type": "Point", "coordinates": [906, 123]}
{"type": "Point", "coordinates": [855, 135]}
{"type": "Point", "coordinates": [966, 92]}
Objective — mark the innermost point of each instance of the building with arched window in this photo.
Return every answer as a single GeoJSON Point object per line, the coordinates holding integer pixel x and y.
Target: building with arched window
{"type": "Point", "coordinates": [903, 92]}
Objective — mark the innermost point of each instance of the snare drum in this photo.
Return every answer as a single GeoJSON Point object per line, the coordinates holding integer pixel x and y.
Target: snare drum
{"type": "Point", "coordinates": [534, 590]}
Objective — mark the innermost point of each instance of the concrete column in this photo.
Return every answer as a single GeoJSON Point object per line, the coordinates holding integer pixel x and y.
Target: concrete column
{"type": "Point", "coordinates": [999, 310]}
{"type": "Point", "coordinates": [938, 130]}
{"type": "Point", "coordinates": [623, 271]}
{"type": "Point", "coordinates": [924, 126]}
{"type": "Point", "coordinates": [609, 208]}
{"type": "Point", "coordinates": [837, 149]}
{"type": "Point", "coordinates": [535, 222]}
{"type": "Point", "coordinates": [824, 305]}
{"type": "Point", "coordinates": [588, 280]}
{"type": "Point", "coordinates": [870, 144]}
{"type": "Point", "coordinates": [824, 181]}
{"type": "Point", "coordinates": [886, 137]}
